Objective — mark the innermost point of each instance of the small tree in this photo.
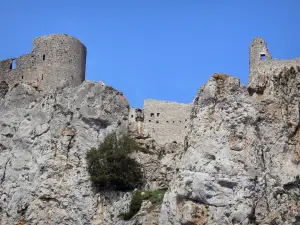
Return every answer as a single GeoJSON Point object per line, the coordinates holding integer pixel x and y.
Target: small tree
{"type": "Point", "coordinates": [110, 165]}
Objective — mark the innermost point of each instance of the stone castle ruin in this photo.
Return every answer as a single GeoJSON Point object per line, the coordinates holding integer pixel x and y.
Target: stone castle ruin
{"type": "Point", "coordinates": [59, 60]}
{"type": "Point", "coordinates": [262, 65]}
{"type": "Point", "coordinates": [55, 61]}
{"type": "Point", "coordinates": [164, 121]}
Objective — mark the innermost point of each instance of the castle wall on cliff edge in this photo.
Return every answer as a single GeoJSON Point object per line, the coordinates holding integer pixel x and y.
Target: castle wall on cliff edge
{"type": "Point", "coordinates": [163, 121]}
{"type": "Point", "coordinates": [56, 60]}
{"type": "Point", "coordinates": [262, 65]}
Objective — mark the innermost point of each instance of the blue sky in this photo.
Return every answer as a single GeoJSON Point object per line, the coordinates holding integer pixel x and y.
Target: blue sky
{"type": "Point", "coordinates": [160, 49]}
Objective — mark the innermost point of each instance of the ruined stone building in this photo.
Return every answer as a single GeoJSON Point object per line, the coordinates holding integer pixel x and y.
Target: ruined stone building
{"type": "Point", "coordinates": [59, 60]}
{"type": "Point", "coordinates": [163, 121]}
{"type": "Point", "coordinates": [262, 65]}
{"type": "Point", "coordinates": [55, 61]}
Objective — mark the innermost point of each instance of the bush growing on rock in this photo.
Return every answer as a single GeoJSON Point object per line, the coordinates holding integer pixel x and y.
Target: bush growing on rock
{"type": "Point", "coordinates": [156, 198]}
{"type": "Point", "coordinates": [110, 165]}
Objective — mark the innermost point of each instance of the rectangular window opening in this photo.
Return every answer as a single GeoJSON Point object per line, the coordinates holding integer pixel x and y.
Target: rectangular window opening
{"type": "Point", "coordinates": [262, 57]}
{"type": "Point", "coordinates": [13, 64]}
{"type": "Point", "coordinates": [44, 57]}
{"type": "Point", "coordinates": [157, 114]}
{"type": "Point", "coordinates": [152, 114]}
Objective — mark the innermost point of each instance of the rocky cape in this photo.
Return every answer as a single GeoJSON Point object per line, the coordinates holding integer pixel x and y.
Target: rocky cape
{"type": "Point", "coordinates": [239, 163]}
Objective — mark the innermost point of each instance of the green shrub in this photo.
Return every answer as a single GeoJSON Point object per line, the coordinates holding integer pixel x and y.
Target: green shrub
{"type": "Point", "coordinates": [110, 166]}
{"type": "Point", "coordinates": [135, 205]}
{"type": "Point", "coordinates": [156, 197]}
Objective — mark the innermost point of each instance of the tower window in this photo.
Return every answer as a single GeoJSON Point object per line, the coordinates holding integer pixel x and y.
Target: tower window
{"type": "Point", "coordinates": [44, 57]}
{"type": "Point", "coordinates": [152, 114]}
{"type": "Point", "coordinates": [157, 114]}
{"type": "Point", "coordinates": [13, 64]}
{"type": "Point", "coordinates": [263, 57]}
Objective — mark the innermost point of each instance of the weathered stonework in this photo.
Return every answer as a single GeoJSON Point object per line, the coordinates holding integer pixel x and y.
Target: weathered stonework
{"type": "Point", "coordinates": [164, 121]}
{"type": "Point", "coordinates": [263, 66]}
{"type": "Point", "coordinates": [236, 160]}
{"type": "Point", "coordinates": [56, 60]}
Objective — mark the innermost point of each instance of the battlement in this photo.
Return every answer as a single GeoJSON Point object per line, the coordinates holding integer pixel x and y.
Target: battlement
{"type": "Point", "coordinates": [56, 60]}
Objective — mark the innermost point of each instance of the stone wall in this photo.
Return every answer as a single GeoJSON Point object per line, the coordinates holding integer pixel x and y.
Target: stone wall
{"type": "Point", "coordinates": [166, 121]}
{"type": "Point", "coordinates": [263, 66]}
{"type": "Point", "coordinates": [136, 119]}
{"type": "Point", "coordinates": [56, 60]}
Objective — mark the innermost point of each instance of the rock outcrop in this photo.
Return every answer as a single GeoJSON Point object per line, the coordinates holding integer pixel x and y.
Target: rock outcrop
{"type": "Point", "coordinates": [241, 160]}
{"type": "Point", "coordinates": [239, 163]}
{"type": "Point", "coordinates": [43, 142]}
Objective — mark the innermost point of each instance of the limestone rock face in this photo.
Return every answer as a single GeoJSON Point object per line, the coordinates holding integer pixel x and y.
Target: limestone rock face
{"type": "Point", "coordinates": [241, 160]}
{"type": "Point", "coordinates": [239, 163]}
{"type": "Point", "coordinates": [43, 142]}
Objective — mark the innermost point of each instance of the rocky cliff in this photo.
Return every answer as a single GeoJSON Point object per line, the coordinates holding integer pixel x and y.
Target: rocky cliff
{"type": "Point", "coordinates": [239, 163]}
{"type": "Point", "coordinates": [43, 142]}
{"type": "Point", "coordinates": [241, 160]}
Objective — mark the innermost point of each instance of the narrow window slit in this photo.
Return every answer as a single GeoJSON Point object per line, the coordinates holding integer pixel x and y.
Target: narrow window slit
{"type": "Point", "coordinates": [13, 64]}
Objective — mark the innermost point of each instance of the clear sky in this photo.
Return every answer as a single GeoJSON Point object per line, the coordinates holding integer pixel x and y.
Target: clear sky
{"type": "Point", "coordinates": [160, 49]}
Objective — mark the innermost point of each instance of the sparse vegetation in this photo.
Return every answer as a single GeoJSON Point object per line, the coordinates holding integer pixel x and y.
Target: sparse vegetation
{"type": "Point", "coordinates": [154, 196]}
{"type": "Point", "coordinates": [110, 165]}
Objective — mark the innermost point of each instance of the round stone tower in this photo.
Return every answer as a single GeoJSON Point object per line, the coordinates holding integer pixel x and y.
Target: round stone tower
{"type": "Point", "coordinates": [59, 61]}
{"type": "Point", "coordinates": [258, 53]}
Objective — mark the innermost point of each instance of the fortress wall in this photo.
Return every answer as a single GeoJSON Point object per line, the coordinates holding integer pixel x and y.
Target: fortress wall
{"type": "Point", "coordinates": [57, 60]}
{"type": "Point", "coordinates": [132, 123]}
{"type": "Point", "coordinates": [262, 65]}
{"type": "Point", "coordinates": [60, 61]}
{"type": "Point", "coordinates": [26, 69]}
{"type": "Point", "coordinates": [275, 65]}
{"type": "Point", "coordinates": [5, 67]}
{"type": "Point", "coordinates": [166, 121]}
{"type": "Point", "coordinates": [136, 119]}
{"type": "Point", "coordinates": [7, 73]}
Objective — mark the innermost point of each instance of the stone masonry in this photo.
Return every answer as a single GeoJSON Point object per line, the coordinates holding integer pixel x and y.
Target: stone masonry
{"type": "Point", "coordinates": [239, 164]}
{"type": "Point", "coordinates": [262, 66]}
{"type": "Point", "coordinates": [164, 121]}
{"type": "Point", "coordinates": [56, 60]}
{"type": "Point", "coordinates": [59, 60]}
